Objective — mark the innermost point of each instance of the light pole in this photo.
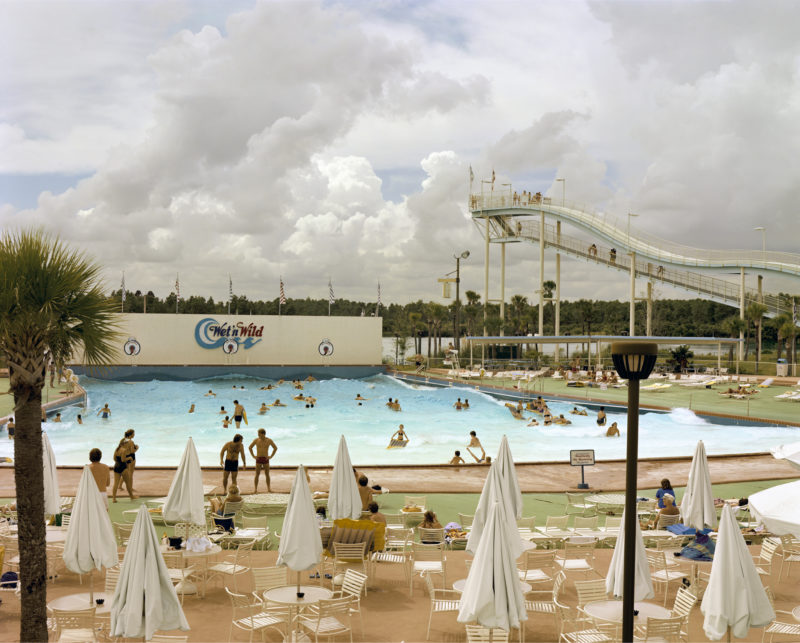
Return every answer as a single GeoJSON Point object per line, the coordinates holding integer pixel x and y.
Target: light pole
{"type": "Point", "coordinates": [563, 191]}
{"type": "Point", "coordinates": [634, 361]}
{"type": "Point", "coordinates": [763, 240]}
{"type": "Point", "coordinates": [457, 321]}
{"type": "Point", "coordinates": [630, 214]}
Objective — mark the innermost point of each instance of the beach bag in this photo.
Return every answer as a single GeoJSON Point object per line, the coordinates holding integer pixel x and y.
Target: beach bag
{"type": "Point", "coordinates": [9, 580]}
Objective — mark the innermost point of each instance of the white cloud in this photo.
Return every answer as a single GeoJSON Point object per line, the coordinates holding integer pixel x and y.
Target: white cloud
{"type": "Point", "coordinates": [253, 143]}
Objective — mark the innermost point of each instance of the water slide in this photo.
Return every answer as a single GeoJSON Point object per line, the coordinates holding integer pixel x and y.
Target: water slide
{"type": "Point", "coordinates": [657, 259]}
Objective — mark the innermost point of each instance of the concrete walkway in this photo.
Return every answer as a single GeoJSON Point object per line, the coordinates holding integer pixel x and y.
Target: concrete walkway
{"type": "Point", "coordinates": [533, 478]}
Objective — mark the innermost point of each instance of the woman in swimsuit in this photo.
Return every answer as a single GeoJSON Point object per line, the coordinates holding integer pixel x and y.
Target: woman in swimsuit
{"type": "Point", "coordinates": [601, 416]}
{"type": "Point", "coordinates": [122, 472]}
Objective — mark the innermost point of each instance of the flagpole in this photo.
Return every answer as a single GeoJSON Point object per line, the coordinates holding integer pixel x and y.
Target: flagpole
{"type": "Point", "coordinates": [230, 292]}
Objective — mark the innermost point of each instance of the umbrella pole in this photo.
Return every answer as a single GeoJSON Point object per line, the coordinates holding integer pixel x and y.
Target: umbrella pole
{"type": "Point", "coordinates": [91, 587]}
{"type": "Point", "coordinates": [298, 584]}
{"type": "Point", "coordinates": [729, 634]}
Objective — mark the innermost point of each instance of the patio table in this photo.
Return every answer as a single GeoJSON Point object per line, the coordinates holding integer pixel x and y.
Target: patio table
{"type": "Point", "coordinates": [611, 611]}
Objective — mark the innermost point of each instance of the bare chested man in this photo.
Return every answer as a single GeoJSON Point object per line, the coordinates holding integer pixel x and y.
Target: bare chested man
{"type": "Point", "coordinates": [231, 452]}
{"type": "Point", "coordinates": [239, 413]}
{"type": "Point", "coordinates": [262, 456]}
{"type": "Point", "coordinates": [474, 442]}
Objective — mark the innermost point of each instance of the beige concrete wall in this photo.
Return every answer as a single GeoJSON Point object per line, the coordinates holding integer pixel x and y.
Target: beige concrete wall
{"type": "Point", "coordinates": [276, 340]}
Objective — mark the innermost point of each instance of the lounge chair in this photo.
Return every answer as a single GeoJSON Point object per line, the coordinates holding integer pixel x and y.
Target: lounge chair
{"type": "Point", "coordinates": [766, 383]}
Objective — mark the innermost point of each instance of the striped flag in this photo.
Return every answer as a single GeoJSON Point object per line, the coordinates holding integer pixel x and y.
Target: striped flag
{"type": "Point", "coordinates": [282, 300]}
{"type": "Point", "coordinates": [177, 291]}
{"type": "Point", "coordinates": [331, 298]}
{"type": "Point", "coordinates": [123, 287]}
{"type": "Point", "coordinates": [471, 175]}
{"type": "Point", "coordinates": [230, 288]}
{"type": "Point", "coordinates": [378, 306]}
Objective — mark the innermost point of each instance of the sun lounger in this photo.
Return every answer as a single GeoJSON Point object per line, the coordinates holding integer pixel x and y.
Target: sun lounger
{"type": "Point", "coordinates": [766, 383]}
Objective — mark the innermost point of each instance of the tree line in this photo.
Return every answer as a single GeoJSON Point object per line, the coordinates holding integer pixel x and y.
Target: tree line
{"type": "Point", "coordinates": [427, 322]}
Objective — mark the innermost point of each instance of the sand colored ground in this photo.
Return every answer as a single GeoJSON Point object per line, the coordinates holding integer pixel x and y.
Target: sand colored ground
{"type": "Point", "coordinates": [390, 614]}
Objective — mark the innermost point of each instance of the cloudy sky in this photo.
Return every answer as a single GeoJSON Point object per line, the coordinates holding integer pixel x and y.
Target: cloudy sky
{"type": "Point", "coordinates": [334, 139]}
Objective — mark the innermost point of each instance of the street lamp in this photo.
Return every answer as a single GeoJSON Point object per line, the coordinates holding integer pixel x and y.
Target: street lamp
{"type": "Point", "coordinates": [763, 240]}
{"type": "Point", "coordinates": [457, 320]}
{"type": "Point", "coordinates": [563, 190]}
{"type": "Point", "coordinates": [634, 361]}
{"type": "Point", "coordinates": [630, 214]}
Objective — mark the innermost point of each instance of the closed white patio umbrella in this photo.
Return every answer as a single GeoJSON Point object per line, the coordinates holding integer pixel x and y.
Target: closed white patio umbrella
{"type": "Point", "coordinates": [344, 501]}
{"type": "Point", "coordinates": [52, 494]}
{"type": "Point", "coordinates": [697, 507]}
{"type": "Point", "coordinates": [185, 502]}
{"type": "Point", "coordinates": [301, 545]}
{"type": "Point", "coordinates": [492, 594]}
{"type": "Point", "coordinates": [788, 452]}
{"type": "Point", "coordinates": [501, 485]}
{"type": "Point", "coordinates": [145, 599]}
{"type": "Point", "coordinates": [735, 599]}
{"type": "Point", "coordinates": [643, 582]}
{"type": "Point", "coordinates": [778, 508]}
{"type": "Point", "coordinates": [90, 542]}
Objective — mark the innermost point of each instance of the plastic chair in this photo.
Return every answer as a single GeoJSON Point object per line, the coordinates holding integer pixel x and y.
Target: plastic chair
{"type": "Point", "coordinates": [431, 536]}
{"type": "Point", "coordinates": [424, 560]}
{"type": "Point", "coordinates": [179, 573]}
{"type": "Point", "coordinates": [684, 602]}
{"type": "Point", "coordinates": [123, 532]}
{"type": "Point", "coordinates": [577, 502]}
{"type": "Point", "coordinates": [74, 626]}
{"type": "Point", "coordinates": [265, 578]}
{"type": "Point", "coordinates": [556, 522]}
{"type": "Point", "coordinates": [590, 591]}
{"type": "Point", "coordinates": [585, 522]}
{"type": "Point", "coordinates": [332, 617]}
{"type": "Point", "coordinates": [480, 634]}
{"type": "Point", "coordinates": [538, 566]}
{"type": "Point", "coordinates": [253, 617]}
{"type": "Point", "coordinates": [353, 585]}
{"type": "Point", "coordinates": [442, 601]}
{"type": "Point", "coordinates": [660, 573]}
{"type": "Point", "coordinates": [576, 629]}
{"type": "Point", "coordinates": [764, 561]}
{"type": "Point", "coordinates": [662, 629]}
{"type": "Point", "coordinates": [234, 566]}
{"type": "Point", "coordinates": [465, 520]}
{"type": "Point", "coordinates": [790, 553]}
{"type": "Point", "coordinates": [577, 556]}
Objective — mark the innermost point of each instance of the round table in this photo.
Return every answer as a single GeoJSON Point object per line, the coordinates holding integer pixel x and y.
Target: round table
{"type": "Point", "coordinates": [611, 611]}
{"type": "Point", "coordinates": [796, 613]}
{"type": "Point", "coordinates": [52, 535]}
{"type": "Point", "coordinates": [611, 499]}
{"type": "Point", "coordinates": [287, 595]}
{"type": "Point", "coordinates": [81, 602]}
{"type": "Point", "coordinates": [186, 586]}
{"type": "Point", "coordinates": [527, 545]}
{"type": "Point", "coordinates": [459, 586]}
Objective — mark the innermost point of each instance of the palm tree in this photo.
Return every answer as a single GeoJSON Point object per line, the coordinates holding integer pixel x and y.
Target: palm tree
{"type": "Point", "coordinates": [50, 300]}
{"type": "Point", "coordinates": [681, 356]}
{"type": "Point", "coordinates": [754, 313]}
{"type": "Point", "coordinates": [733, 325]}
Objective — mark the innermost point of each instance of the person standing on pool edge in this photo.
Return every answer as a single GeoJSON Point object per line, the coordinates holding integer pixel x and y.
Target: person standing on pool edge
{"type": "Point", "coordinates": [231, 452]}
{"type": "Point", "coordinates": [262, 456]}
{"type": "Point", "coordinates": [132, 449]}
{"type": "Point", "coordinates": [239, 413]}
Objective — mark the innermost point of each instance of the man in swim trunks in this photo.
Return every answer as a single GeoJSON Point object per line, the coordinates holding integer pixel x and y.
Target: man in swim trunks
{"type": "Point", "coordinates": [239, 413]}
{"type": "Point", "coordinates": [613, 431]}
{"type": "Point", "coordinates": [105, 411]}
{"type": "Point", "coordinates": [210, 393]}
{"type": "Point", "coordinates": [457, 459]}
{"type": "Point", "coordinates": [601, 416]}
{"type": "Point", "coordinates": [263, 410]}
{"type": "Point", "coordinates": [100, 471]}
{"type": "Point", "coordinates": [231, 452]}
{"type": "Point", "coordinates": [262, 456]}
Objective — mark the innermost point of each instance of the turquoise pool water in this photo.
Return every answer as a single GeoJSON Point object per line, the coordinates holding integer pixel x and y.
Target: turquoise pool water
{"type": "Point", "coordinates": [159, 413]}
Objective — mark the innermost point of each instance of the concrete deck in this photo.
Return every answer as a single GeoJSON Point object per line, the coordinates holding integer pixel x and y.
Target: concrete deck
{"type": "Point", "coordinates": [533, 477]}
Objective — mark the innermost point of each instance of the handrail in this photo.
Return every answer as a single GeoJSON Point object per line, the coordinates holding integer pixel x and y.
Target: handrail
{"type": "Point", "coordinates": [615, 230]}
{"type": "Point", "coordinates": [504, 229]}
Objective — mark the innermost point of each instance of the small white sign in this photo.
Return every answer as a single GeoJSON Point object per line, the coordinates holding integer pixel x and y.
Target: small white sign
{"type": "Point", "coordinates": [581, 457]}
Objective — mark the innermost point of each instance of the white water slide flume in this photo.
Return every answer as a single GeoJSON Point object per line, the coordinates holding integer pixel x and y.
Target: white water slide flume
{"type": "Point", "coordinates": [617, 231]}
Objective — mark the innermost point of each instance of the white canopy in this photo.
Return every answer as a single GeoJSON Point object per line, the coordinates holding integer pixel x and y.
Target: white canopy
{"type": "Point", "coordinates": [145, 599]}
{"type": "Point", "coordinates": [643, 583]}
{"type": "Point", "coordinates": [778, 508]}
{"type": "Point", "coordinates": [492, 594]}
{"type": "Point", "coordinates": [788, 452]}
{"type": "Point", "coordinates": [301, 546]}
{"type": "Point", "coordinates": [90, 540]}
{"type": "Point", "coordinates": [501, 485]}
{"type": "Point", "coordinates": [185, 502]}
{"type": "Point", "coordinates": [344, 501]}
{"type": "Point", "coordinates": [52, 495]}
{"type": "Point", "coordinates": [734, 597]}
{"type": "Point", "coordinates": [697, 507]}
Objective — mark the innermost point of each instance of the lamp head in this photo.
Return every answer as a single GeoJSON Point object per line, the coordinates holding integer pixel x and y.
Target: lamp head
{"type": "Point", "coordinates": [634, 360]}
{"type": "Point", "coordinates": [465, 254]}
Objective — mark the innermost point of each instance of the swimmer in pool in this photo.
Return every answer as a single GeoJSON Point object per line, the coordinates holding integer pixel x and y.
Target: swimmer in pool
{"type": "Point", "coordinates": [299, 397]}
{"type": "Point", "coordinates": [239, 413]}
{"type": "Point", "coordinates": [466, 404]}
{"type": "Point", "coordinates": [613, 431]}
{"type": "Point", "coordinates": [191, 409]}
{"type": "Point", "coordinates": [277, 402]}
{"type": "Point", "coordinates": [226, 422]}
{"type": "Point", "coordinates": [362, 399]}
{"type": "Point", "coordinates": [601, 416]}
{"type": "Point", "coordinates": [210, 394]}
{"type": "Point", "coordinates": [400, 435]}
{"type": "Point", "coordinates": [105, 411]}
{"type": "Point", "coordinates": [222, 410]}
{"type": "Point", "coordinates": [533, 422]}
{"type": "Point", "coordinates": [79, 419]}
{"type": "Point", "coordinates": [576, 411]}
{"type": "Point", "coordinates": [457, 459]}
{"type": "Point", "coordinates": [475, 443]}
{"type": "Point", "coordinates": [57, 418]}
{"type": "Point", "coordinates": [562, 420]}
{"type": "Point", "coordinates": [263, 408]}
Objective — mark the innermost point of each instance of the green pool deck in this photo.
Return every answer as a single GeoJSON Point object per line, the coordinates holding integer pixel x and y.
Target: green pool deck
{"type": "Point", "coordinates": [758, 406]}
{"type": "Point", "coordinates": [50, 395]}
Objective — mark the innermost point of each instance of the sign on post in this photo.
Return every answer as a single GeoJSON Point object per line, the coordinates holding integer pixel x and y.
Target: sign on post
{"type": "Point", "coordinates": [581, 458]}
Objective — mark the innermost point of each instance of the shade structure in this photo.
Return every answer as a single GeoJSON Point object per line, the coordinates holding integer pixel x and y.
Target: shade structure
{"type": "Point", "coordinates": [734, 597]}
{"type": "Point", "coordinates": [185, 502]}
{"type": "Point", "coordinates": [697, 507]}
{"type": "Point", "coordinates": [344, 501]}
{"type": "Point", "coordinates": [788, 452]}
{"type": "Point", "coordinates": [643, 582]}
{"type": "Point", "coordinates": [145, 599]}
{"type": "Point", "coordinates": [492, 594]}
{"type": "Point", "coordinates": [778, 508]}
{"type": "Point", "coordinates": [501, 485]}
{"type": "Point", "coordinates": [90, 542]}
{"type": "Point", "coordinates": [301, 545]}
{"type": "Point", "coordinates": [52, 494]}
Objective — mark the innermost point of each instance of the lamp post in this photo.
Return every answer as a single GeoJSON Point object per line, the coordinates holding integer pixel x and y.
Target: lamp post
{"type": "Point", "coordinates": [563, 191]}
{"type": "Point", "coordinates": [630, 214]}
{"type": "Point", "coordinates": [634, 361]}
{"type": "Point", "coordinates": [457, 320]}
{"type": "Point", "coordinates": [763, 240]}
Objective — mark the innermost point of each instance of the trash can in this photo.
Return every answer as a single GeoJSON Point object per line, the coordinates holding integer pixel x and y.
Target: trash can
{"type": "Point", "coordinates": [781, 368]}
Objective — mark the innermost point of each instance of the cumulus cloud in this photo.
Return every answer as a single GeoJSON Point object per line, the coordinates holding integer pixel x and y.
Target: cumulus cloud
{"type": "Point", "coordinates": [256, 142]}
